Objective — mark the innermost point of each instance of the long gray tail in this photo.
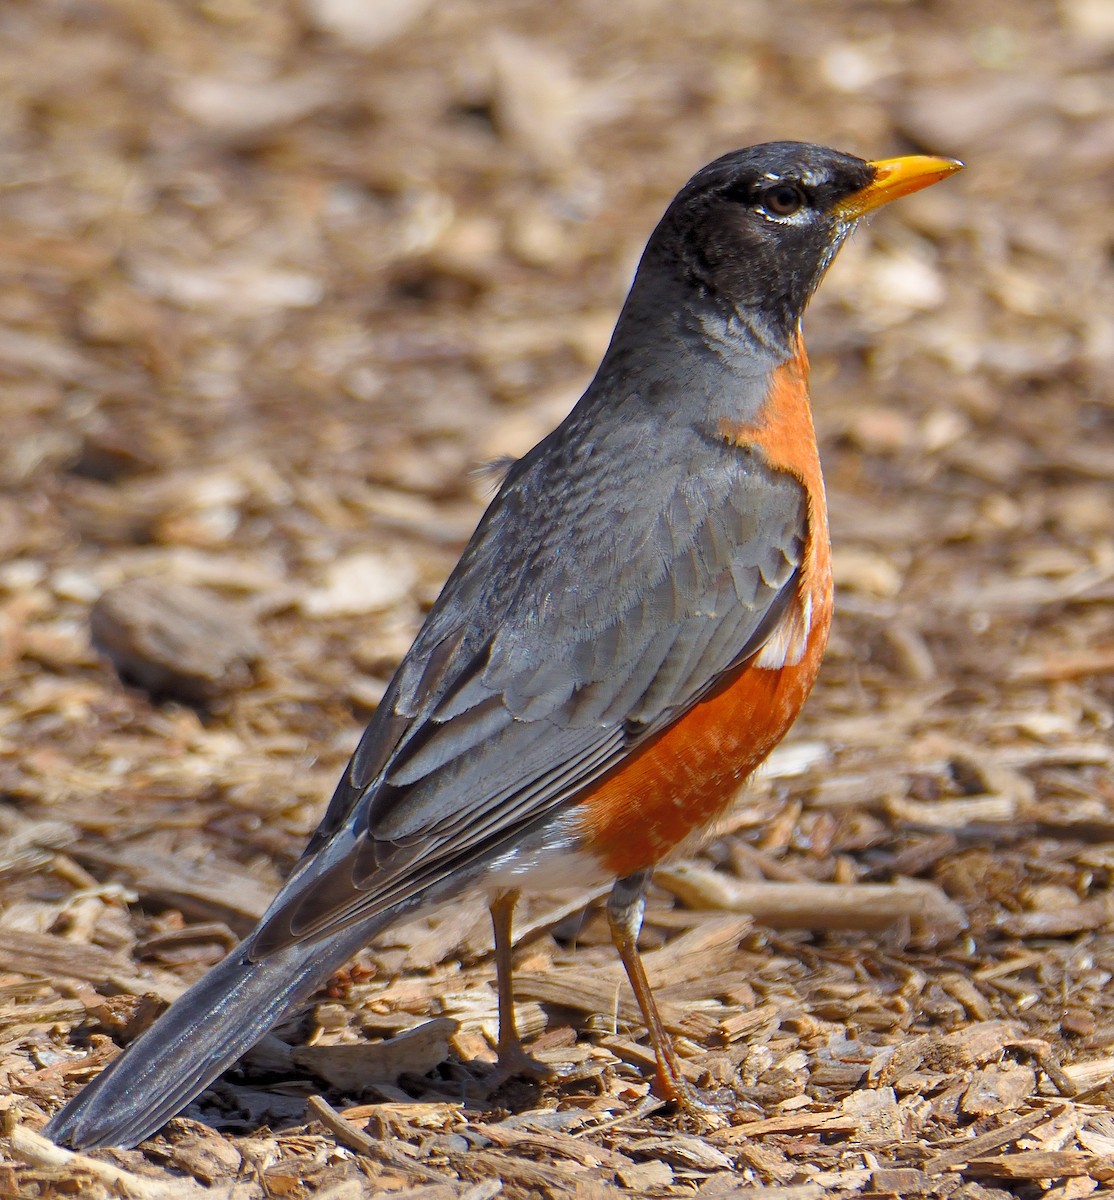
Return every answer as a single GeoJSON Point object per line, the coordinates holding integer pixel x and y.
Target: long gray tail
{"type": "Point", "coordinates": [204, 1031]}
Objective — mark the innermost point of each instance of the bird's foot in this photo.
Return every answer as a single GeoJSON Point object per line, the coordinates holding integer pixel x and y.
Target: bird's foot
{"type": "Point", "coordinates": [514, 1062]}
{"type": "Point", "coordinates": [674, 1089]}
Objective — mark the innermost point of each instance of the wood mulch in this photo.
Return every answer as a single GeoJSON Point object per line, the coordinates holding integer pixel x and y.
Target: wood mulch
{"type": "Point", "coordinates": [275, 278]}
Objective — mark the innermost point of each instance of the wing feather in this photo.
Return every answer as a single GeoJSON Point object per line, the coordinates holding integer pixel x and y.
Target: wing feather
{"type": "Point", "coordinates": [535, 675]}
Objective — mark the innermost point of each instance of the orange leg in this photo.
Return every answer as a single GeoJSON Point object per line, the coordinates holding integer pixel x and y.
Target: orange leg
{"type": "Point", "coordinates": [625, 909]}
{"type": "Point", "coordinates": [513, 1059]}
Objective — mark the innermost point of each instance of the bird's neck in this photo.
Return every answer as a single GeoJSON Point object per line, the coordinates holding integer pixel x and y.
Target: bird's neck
{"type": "Point", "coordinates": [716, 358]}
{"type": "Point", "coordinates": [669, 300]}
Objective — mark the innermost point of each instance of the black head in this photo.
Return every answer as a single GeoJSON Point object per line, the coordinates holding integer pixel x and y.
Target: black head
{"type": "Point", "coordinates": [753, 232]}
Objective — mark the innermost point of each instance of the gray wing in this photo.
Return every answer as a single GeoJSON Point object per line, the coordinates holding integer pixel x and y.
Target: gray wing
{"type": "Point", "coordinates": [598, 600]}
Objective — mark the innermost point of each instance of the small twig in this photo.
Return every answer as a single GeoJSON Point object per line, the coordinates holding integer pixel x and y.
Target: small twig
{"type": "Point", "coordinates": [979, 1146]}
{"type": "Point", "coordinates": [802, 905]}
{"type": "Point", "coordinates": [1097, 661]}
{"type": "Point", "coordinates": [355, 1139]}
{"type": "Point", "coordinates": [37, 1151]}
{"type": "Point", "coordinates": [1063, 1083]}
{"type": "Point", "coordinates": [645, 1107]}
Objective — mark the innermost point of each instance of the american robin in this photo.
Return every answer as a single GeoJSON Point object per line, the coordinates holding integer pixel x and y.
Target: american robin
{"type": "Point", "coordinates": [634, 625]}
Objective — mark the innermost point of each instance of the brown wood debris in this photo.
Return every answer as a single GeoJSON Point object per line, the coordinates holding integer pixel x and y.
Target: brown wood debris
{"type": "Point", "coordinates": [173, 640]}
{"type": "Point", "coordinates": [932, 917]}
{"type": "Point", "coordinates": [276, 278]}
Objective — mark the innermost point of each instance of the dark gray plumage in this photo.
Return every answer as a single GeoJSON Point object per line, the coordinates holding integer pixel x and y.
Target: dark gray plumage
{"type": "Point", "coordinates": [629, 563]}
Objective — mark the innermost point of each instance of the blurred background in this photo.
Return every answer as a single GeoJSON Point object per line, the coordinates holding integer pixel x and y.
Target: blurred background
{"type": "Point", "coordinates": [276, 277]}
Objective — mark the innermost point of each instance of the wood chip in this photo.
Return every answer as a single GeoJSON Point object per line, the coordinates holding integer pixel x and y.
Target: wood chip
{"type": "Point", "coordinates": [1088, 1075]}
{"type": "Point", "coordinates": [639, 1178]}
{"type": "Point", "coordinates": [1001, 1087]}
{"type": "Point", "coordinates": [351, 1068]}
{"type": "Point", "coordinates": [355, 1139]}
{"type": "Point", "coordinates": [796, 1191]}
{"type": "Point", "coordinates": [683, 1151]}
{"type": "Point", "coordinates": [933, 917]}
{"type": "Point", "coordinates": [554, 1146]}
{"type": "Point", "coordinates": [521, 1174]}
{"type": "Point", "coordinates": [978, 1146]}
{"type": "Point", "coordinates": [1059, 922]}
{"type": "Point", "coordinates": [1031, 1164]}
{"type": "Point", "coordinates": [33, 1148]}
{"type": "Point", "coordinates": [205, 890]}
{"type": "Point", "coordinates": [798, 1122]}
{"type": "Point", "coordinates": [41, 954]}
{"type": "Point", "coordinates": [900, 1181]}
{"type": "Point", "coordinates": [976, 1044]}
{"type": "Point", "coordinates": [877, 1114]}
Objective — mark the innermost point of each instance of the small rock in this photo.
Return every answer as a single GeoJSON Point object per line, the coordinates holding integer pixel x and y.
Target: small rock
{"type": "Point", "coordinates": [174, 640]}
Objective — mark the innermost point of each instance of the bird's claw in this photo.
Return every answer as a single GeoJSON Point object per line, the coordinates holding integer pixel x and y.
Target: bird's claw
{"type": "Point", "coordinates": [684, 1096]}
{"type": "Point", "coordinates": [514, 1062]}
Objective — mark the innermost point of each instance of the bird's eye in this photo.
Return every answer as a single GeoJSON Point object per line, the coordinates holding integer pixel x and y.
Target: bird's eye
{"type": "Point", "coordinates": [782, 199]}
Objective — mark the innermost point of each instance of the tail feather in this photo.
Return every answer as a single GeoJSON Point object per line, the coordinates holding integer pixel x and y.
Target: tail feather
{"type": "Point", "coordinates": [206, 1029]}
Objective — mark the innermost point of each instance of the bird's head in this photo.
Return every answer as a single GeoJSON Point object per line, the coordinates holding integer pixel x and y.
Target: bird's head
{"type": "Point", "coordinates": [755, 230]}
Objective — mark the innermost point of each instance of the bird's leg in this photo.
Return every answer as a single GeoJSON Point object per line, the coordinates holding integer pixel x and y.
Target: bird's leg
{"type": "Point", "coordinates": [513, 1059]}
{"type": "Point", "coordinates": [625, 909]}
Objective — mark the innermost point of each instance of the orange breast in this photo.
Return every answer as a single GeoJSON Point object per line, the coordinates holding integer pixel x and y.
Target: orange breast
{"type": "Point", "coordinates": [669, 791]}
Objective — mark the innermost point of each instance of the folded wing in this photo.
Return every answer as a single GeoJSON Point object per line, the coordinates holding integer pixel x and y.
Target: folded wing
{"type": "Point", "coordinates": [532, 678]}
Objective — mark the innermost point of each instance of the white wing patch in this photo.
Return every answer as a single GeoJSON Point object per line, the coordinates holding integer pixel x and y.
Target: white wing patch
{"type": "Point", "coordinates": [789, 640]}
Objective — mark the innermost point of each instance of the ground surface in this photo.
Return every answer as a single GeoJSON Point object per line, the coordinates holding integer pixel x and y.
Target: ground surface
{"type": "Point", "coordinates": [273, 279]}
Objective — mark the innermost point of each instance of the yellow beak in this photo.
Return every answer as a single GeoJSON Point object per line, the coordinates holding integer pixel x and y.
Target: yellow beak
{"type": "Point", "coordinates": [894, 177]}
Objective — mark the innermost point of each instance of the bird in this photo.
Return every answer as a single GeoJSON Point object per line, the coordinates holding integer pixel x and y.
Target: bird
{"type": "Point", "coordinates": [635, 623]}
